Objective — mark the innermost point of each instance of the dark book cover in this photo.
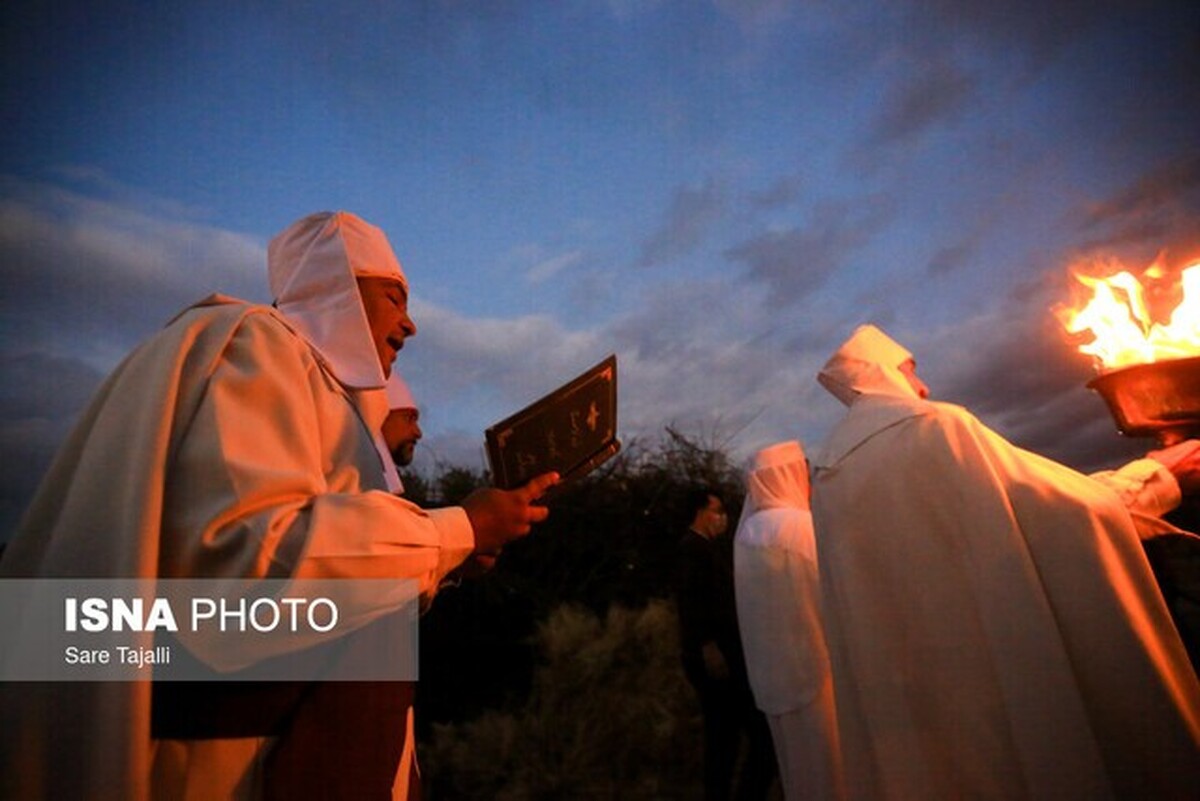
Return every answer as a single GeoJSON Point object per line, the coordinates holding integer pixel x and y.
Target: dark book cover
{"type": "Point", "coordinates": [571, 431]}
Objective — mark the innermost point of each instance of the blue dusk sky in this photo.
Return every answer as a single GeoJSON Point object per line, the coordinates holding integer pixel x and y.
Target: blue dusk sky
{"type": "Point", "coordinates": [716, 191]}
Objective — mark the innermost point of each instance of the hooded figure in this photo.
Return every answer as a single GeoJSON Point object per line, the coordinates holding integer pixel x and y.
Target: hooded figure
{"type": "Point", "coordinates": [779, 617]}
{"type": "Point", "coordinates": [312, 268]}
{"type": "Point", "coordinates": [240, 441]}
{"type": "Point", "coordinates": [994, 628]}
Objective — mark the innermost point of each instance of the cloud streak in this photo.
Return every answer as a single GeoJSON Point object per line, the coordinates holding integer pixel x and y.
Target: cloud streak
{"type": "Point", "coordinates": [40, 397]}
{"type": "Point", "coordinates": [793, 262]}
{"type": "Point", "coordinates": [690, 218]}
{"type": "Point", "coordinates": [1159, 209]}
{"type": "Point", "coordinates": [937, 94]}
{"type": "Point", "coordinates": [86, 275]}
{"type": "Point", "coordinates": [1013, 366]}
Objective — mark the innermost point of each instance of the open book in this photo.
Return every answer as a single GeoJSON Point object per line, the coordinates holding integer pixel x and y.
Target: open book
{"type": "Point", "coordinates": [572, 430]}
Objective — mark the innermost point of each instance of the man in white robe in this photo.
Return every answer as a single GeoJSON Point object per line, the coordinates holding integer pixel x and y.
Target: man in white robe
{"type": "Point", "coordinates": [778, 605]}
{"type": "Point", "coordinates": [240, 441]}
{"type": "Point", "coordinates": [994, 628]}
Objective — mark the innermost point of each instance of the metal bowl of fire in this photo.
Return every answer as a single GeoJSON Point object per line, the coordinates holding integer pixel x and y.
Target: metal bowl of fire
{"type": "Point", "coordinates": [1146, 340]}
{"type": "Point", "coordinates": [1159, 399]}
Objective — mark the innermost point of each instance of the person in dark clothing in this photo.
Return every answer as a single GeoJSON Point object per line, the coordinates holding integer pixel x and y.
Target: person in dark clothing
{"type": "Point", "coordinates": [712, 654]}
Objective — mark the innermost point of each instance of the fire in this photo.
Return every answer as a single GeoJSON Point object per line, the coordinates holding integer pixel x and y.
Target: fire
{"type": "Point", "coordinates": [1121, 321]}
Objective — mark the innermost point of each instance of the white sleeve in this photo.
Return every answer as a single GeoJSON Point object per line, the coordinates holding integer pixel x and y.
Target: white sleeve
{"type": "Point", "coordinates": [1144, 486]}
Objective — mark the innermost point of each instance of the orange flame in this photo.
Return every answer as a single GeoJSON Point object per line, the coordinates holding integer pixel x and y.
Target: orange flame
{"type": "Point", "coordinates": [1120, 320]}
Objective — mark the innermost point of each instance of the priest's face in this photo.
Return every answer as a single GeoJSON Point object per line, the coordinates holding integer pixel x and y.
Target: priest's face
{"type": "Point", "coordinates": [386, 305]}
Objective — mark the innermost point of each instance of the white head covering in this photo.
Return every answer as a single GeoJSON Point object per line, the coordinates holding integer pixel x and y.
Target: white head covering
{"type": "Point", "coordinates": [867, 363]}
{"type": "Point", "coordinates": [311, 268]}
{"type": "Point", "coordinates": [399, 396]}
{"type": "Point", "coordinates": [777, 479]}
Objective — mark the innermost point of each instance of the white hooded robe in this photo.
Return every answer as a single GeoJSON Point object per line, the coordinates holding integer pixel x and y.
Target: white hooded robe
{"type": "Point", "coordinates": [778, 591]}
{"type": "Point", "coordinates": [223, 446]}
{"type": "Point", "coordinates": [995, 631]}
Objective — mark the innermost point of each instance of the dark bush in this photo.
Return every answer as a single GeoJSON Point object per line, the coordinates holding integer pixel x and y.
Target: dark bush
{"type": "Point", "coordinates": [610, 715]}
{"type": "Point", "coordinates": [577, 594]}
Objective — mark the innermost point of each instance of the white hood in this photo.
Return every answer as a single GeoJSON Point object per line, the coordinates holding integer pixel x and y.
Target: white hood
{"type": "Point", "coordinates": [312, 266]}
{"type": "Point", "coordinates": [399, 396]}
{"type": "Point", "coordinates": [776, 584]}
{"type": "Point", "coordinates": [867, 364]}
{"type": "Point", "coordinates": [778, 479]}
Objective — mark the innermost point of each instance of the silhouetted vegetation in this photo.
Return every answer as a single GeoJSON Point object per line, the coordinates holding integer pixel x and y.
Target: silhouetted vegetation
{"type": "Point", "coordinates": [567, 649]}
{"type": "Point", "coordinates": [610, 715]}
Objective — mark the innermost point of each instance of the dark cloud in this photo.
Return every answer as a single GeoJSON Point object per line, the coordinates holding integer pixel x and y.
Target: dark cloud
{"type": "Point", "coordinates": [755, 12]}
{"type": "Point", "coordinates": [1158, 209]}
{"type": "Point", "coordinates": [1038, 29]}
{"type": "Point", "coordinates": [703, 355]}
{"type": "Point", "coordinates": [795, 261]}
{"type": "Point", "coordinates": [83, 273]}
{"type": "Point", "coordinates": [937, 93]}
{"type": "Point", "coordinates": [1076, 429]}
{"type": "Point", "coordinates": [949, 259]}
{"type": "Point", "coordinates": [1017, 365]}
{"type": "Point", "coordinates": [1015, 369]}
{"type": "Point", "coordinates": [689, 219]}
{"type": "Point", "coordinates": [40, 397]}
{"type": "Point", "coordinates": [792, 262]}
{"type": "Point", "coordinates": [784, 192]}
{"type": "Point", "coordinates": [45, 386]}
{"type": "Point", "coordinates": [1122, 74]}
{"type": "Point", "coordinates": [1164, 186]}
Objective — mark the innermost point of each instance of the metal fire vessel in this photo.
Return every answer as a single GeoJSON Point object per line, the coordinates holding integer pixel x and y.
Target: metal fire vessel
{"type": "Point", "coordinates": [1159, 399]}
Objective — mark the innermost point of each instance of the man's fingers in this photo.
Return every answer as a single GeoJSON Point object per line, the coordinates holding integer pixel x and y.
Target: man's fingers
{"type": "Point", "coordinates": [538, 513]}
{"type": "Point", "coordinates": [538, 486]}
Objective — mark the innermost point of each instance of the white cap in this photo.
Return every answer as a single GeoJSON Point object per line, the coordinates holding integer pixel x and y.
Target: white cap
{"type": "Point", "coordinates": [399, 396]}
